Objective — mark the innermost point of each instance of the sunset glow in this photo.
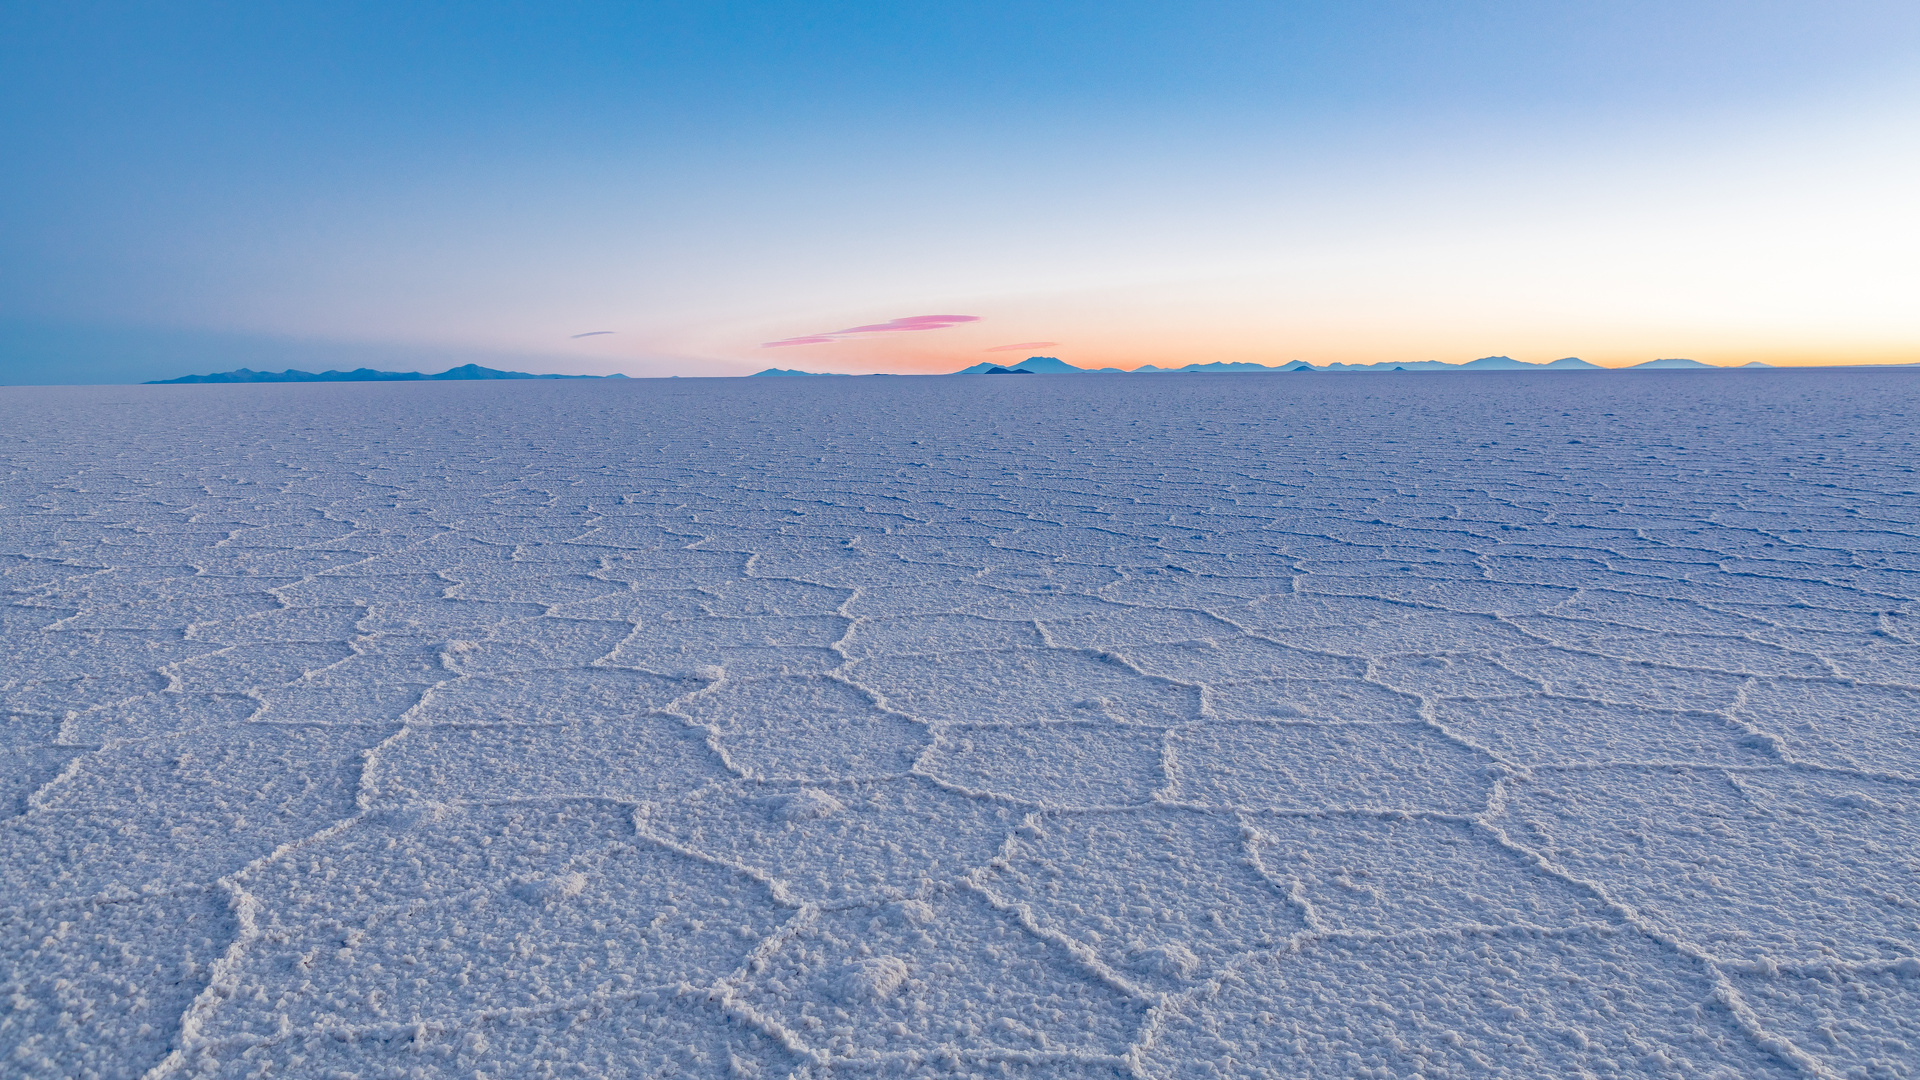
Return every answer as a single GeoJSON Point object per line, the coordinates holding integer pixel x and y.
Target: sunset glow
{"type": "Point", "coordinates": [667, 192]}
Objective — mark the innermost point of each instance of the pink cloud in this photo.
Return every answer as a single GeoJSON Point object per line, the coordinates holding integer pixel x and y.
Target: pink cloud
{"type": "Point", "coordinates": [891, 326]}
{"type": "Point", "coordinates": [911, 322]}
{"type": "Point", "coordinates": [1023, 346]}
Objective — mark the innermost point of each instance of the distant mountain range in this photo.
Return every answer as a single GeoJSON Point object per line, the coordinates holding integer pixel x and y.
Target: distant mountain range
{"type": "Point", "coordinates": [1032, 365]}
{"type": "Point", "coordinates": [1050, 365]}
{"type": "Point", "coordinates": [463, 373]}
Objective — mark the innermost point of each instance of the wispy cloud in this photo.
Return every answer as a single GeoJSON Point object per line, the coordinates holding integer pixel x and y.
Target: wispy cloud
{"type": "Point", "coordinates": [891, 326]}
{"type": "Point", "coordinates": [592, 333]}
{"type": "Point", "coordinates": [1023, 346]}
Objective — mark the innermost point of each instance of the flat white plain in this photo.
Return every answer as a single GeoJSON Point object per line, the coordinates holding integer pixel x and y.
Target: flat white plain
{"type": "Point", "coordinates": [1177, 726]}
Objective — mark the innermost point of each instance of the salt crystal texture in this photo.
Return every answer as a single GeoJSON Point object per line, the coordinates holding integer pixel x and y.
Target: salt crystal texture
{"type": "Point", "coordinates": [871, 979]}
{"type": "Point", "coordinates": [1180, 726]}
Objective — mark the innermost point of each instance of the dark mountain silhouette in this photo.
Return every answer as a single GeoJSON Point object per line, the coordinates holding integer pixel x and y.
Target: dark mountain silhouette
{"type": "Point", "coordinates": [463, 373]}
{"type": "Point", "coordinates": [1050, 365]}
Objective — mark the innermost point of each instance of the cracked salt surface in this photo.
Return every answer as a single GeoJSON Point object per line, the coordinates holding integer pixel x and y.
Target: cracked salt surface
{"type": "Point", "coordinates": [1183, 727]}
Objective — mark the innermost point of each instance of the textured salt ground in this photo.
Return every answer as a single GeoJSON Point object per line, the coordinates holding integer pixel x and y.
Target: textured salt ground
{"type": "Point", "coordinates": [1520, 725]}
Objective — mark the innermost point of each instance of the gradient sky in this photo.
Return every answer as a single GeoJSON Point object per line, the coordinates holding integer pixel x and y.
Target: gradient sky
{"type": "Point", "coordinates": [195, 187]}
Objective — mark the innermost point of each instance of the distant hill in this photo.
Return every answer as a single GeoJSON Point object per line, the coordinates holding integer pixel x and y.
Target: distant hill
{"type": "Point", "coordinates": [463, 373]}
{"type": "Point", "coordinates": [1671, 362]}
{"type": "Point", "coordinates": [1036, 365]}
{"type": "Point", "coordinates": [796, 371]}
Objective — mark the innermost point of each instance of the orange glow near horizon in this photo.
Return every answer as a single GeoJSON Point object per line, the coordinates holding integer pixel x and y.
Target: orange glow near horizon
{"type": "Point", "coordinates": [940, 354]}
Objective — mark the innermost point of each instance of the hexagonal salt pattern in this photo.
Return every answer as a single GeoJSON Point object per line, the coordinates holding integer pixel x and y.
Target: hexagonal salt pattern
{"type": "Point", "coordinates": [1167, 727]}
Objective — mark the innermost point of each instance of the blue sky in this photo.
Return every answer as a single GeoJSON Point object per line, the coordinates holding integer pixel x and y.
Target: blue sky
{"type": "Point", "coordinates": [197, 187]}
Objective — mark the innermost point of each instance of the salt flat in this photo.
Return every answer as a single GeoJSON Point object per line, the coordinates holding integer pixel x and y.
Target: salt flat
{"type": "Point", "coordinates": [1186, 726]}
